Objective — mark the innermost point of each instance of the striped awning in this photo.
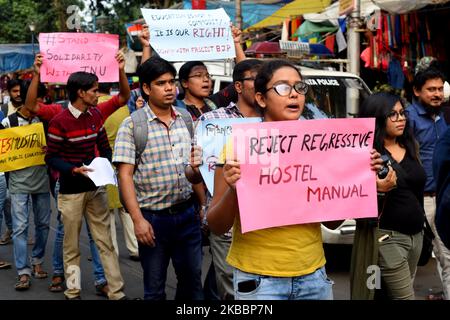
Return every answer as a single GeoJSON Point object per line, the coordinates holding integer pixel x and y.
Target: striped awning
{"type": "Point", "coordinates": [295, 8]}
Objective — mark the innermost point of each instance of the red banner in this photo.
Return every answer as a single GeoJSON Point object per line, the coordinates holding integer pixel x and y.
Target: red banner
{"type": "Point", "coordinates": [199, 4]}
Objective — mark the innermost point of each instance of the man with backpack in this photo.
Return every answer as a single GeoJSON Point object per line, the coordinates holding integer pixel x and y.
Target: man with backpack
{"type": "Point", "coordinates": [154, 187]}
{"type": "Point", "coordinates": [25, 185]}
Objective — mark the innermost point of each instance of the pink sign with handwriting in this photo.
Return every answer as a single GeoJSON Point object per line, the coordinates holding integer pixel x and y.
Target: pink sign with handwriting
{"type": "Point", "coordinates": [69, 52]}
{"type": "Point", "coordinates": [295, 172]}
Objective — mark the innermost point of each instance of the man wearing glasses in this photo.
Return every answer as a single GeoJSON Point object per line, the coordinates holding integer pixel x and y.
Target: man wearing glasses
{"type": "Point", "coordinates": [244, 75]}
{"type": "Point", "coordinates": [427, 122]}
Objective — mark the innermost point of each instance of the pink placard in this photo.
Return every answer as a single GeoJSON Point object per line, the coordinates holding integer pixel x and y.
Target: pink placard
{"type": "Point", "coordinates": [295, 172]}
{"type": "Point", "coordinates": [69, 52]}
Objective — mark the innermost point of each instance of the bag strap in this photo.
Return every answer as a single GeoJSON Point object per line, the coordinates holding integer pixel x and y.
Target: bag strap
{"type": "Point", "coordinates": [140, 129]}
{"type": "Point", "coordinates": [186, 116]}
{"type": "Point", "coordinates": [13, 120]}
{"type": "Point", "coordinates": [210, 103]}
{"type": "Point", "coordinates": [428, 230]}
{"type": "Point", "coordinates": [140, 132]}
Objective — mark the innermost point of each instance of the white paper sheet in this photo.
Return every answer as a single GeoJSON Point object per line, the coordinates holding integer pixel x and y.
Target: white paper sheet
{"type": "Point", "coordinates": [103, 172]}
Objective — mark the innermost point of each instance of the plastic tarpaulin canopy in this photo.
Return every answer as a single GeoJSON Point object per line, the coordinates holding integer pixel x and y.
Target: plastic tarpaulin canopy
{"type": "Point", "coordinates": [295, 8]}
{"type": "Point", "coordinates": [15, 57]}
{"type": "Point", "coordinates": [405, 6]}
{"type": "Point", "coordinates": [308, 28]}
{"type": "Point", "coordinates": [251, 12]}
{"type": "Point", "coordinates": [331, 13]}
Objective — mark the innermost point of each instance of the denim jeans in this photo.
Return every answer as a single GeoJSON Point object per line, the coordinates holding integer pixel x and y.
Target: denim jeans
{"type": "Point", "coordinates": [58, 262]}
{"type": "Point", "coordinates": [5, 204]}
{"type": "Point", "coordinates": [20, 212]}
{"type": "Point", "coordinates": [2, 198]}
{"type": "Point", "coordinates": [177, 237]}
{"type": "Point", "coordinates": [313, 286]}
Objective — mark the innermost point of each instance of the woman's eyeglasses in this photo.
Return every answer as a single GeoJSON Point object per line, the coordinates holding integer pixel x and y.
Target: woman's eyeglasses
{"type": "Point", "coordinates": [284, 89]}
{"type": "Point", "coordinates": [201, 76]}
{"type": "Point", "coordinates": [394, 116]}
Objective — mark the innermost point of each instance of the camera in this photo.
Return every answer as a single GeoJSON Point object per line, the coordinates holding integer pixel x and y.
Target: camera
{"type": "Point", "coordinates": [383, 172]}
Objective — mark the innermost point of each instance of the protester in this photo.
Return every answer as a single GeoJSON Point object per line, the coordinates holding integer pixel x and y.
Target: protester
{"type": "Point", "coordinates": [28, 186]}
{"type": "Point", "coordinates": [281, 262]}
{"type": "Point", "coordinates": [15, 100]}
{"type": "Point", "coordinates": [426, 119]}
{"type": "Point", "coordinates": [441, 169]}
{"type": "Point", "coordinates": [155, 190]}
{"type": "Point", "coordinates": [244, 74]}
{"type": "Point", "coordinates": [393, 241]}
{"type": "Point", "coordinates": [197, 98]}
{"type": "Point", "coordinates": [46, 112]}
{"type": "Point", "coordinates": [75, 136]}
{"type": "Point", "coordinates": [3, 264]}
{"type": "Point", "coordinates": [111, 127]}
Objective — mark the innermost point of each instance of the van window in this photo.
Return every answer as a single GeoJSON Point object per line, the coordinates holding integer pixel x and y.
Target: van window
{"type": "Point", "coordinates": [224, 84]}
{"type": "Point", "coordinates": [333, 97]}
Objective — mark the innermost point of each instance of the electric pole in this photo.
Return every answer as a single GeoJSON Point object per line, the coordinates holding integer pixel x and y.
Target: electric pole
{"type": "Point", "coordinates": [353, 38]}
{"type": "Point", "coordinates": [238, 18]}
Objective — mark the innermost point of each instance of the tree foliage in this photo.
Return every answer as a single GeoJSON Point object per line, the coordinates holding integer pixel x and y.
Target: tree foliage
{"type": "Point", "coordinates": [118, 12]}
{"type": "Point", "coordinates": [47, 16]}
{"type": "Point", "coordinates": [51, 16]}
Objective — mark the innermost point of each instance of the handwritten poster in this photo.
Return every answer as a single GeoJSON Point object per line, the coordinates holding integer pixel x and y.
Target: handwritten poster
{"type": "Point", "coordinates": [211, 136]}
{"type": "Point", "coordinates": [295, 172]}
{"type": "Point", "coordinates": [69, 52]}
{"type": "Point", "coordinates": [186, 35]}
{"type": "Point", "coordinates": [22, 147]}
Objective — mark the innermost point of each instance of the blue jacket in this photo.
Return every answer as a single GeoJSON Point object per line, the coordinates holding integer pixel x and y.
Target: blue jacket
{"type": "Point", "coordinates": [427, 132]}
{"type": "Point", "coordinates": [441, 168]}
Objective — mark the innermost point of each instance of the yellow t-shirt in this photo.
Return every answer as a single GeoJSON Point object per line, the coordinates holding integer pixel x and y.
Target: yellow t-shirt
{"type": "Point", "coordinates": [112, 125]}
{"type": "Point", "coordinates": [286, 251]}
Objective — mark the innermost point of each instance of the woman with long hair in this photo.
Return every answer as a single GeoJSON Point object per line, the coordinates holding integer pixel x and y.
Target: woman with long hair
{"type": "Point", "coordinates": [393, 242]}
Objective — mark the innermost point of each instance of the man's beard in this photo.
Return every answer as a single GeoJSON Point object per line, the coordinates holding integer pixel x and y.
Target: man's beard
{"type": "Point", "coordinates": [432, 110]}
{"type": "Point", "coordinates": [16, 103]}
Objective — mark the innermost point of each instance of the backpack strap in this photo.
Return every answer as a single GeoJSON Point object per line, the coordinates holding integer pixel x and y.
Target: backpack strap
{"type": "Point", "coordinates": [186, 116]}
{"type": "Point", "coordinates": [180, 104]}
{"type": "Point", "coordinates": [140, 132]}
{"type": "Point", "coordinates": [13, 120]}
{"type": "Point", "coordinates": [140, 129]}
{"type": "Point", "coordinates": [210, 103]}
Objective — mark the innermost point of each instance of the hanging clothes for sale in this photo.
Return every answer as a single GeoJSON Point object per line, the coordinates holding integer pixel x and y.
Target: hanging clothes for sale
{"type": "Point", "coordinates": [396, 78]}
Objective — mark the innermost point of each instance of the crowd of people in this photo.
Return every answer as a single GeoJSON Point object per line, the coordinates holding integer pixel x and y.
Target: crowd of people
{"type": "Point", "coordinates": [166, 209]}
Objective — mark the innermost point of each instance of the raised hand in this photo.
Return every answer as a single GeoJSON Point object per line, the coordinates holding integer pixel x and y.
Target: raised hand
{"type": "Point", "coordinates": [144, 36]}
{"type": "Point", "coordinates": [121, 60]}
{"type": "Point", "coordinates": [196, 156]}
{"type": "Point", "coordinates": [236, 33]}
{"type": "Point", "coordinates": [38, 63]}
